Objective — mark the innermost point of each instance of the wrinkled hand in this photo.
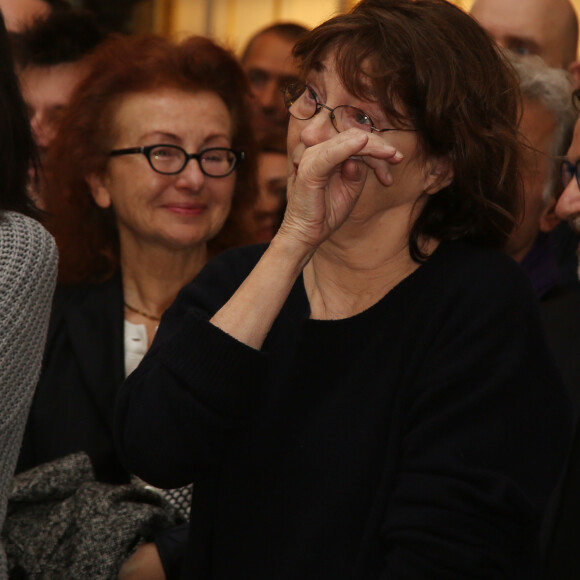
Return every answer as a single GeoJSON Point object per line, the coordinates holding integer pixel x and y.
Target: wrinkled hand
{"type": "Point", "coordinates": [143, 564]}
{"type": "Point", "coordinates": [329, 181]}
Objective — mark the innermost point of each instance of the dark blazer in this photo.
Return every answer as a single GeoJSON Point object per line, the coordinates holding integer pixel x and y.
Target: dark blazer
{"type": "Point", "coordinates": [82, 370]}
{"type": "Point", "coordinates": [561, 316]}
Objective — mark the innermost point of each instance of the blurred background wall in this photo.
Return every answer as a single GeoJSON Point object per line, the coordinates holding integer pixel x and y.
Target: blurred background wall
{"type": "Point", "coordinates": [231, 22]}
{"type": "Point", "coordinates": [234, 21]}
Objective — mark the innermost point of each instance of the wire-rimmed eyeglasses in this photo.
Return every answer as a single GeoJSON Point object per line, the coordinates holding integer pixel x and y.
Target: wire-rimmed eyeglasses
{"type": "Point", "coordinates": [172, 159]}
{"type": "Point", "coordinates": [302, 103]}
{"type": "Point", "coordinates": [568, 171]}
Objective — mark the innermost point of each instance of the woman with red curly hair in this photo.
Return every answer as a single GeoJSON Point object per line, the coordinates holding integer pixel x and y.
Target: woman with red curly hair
{"type": "Point", "coordinates": [154, 156]}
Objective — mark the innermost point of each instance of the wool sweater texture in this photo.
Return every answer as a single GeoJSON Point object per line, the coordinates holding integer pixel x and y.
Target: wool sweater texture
{"type": "Point", "coordinates": [419, 439]}
{"type": "Point", "coordinates": [28, 267]}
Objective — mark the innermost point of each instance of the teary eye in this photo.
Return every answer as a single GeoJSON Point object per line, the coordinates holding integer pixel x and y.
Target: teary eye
{"type": "Point", "coordinates": [361, 117]}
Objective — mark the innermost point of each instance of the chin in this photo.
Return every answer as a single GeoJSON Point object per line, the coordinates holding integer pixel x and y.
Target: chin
{"type": "Point", "coordinates": [184, 243]}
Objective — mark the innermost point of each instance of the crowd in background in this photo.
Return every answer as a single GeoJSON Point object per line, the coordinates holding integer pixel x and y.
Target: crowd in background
{"type": "Point", "coordinates": [283, 338]}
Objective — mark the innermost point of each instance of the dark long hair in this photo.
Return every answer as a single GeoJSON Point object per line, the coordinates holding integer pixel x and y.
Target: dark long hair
{"type": "Point", "coordinates": [19, 156]}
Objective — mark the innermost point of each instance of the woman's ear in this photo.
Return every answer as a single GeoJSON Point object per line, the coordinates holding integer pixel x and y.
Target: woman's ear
{"type": "Point", "coordinates": [440, 174]}
{"type": "Point", "coordinates": [99, 190]}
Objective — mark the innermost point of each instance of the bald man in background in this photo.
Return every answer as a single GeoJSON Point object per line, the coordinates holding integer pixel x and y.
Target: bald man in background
{"type": "Point", "coordinates": [548, 28]}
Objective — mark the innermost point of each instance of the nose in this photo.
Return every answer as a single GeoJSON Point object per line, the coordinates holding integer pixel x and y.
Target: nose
{"type": "Point", "coordinates": [317, 129]}
{"type": "Point", "coordinates": [569, 203]}
{"type": "Point", "coordinates": [191, 177]}
{"type": "Point", "coordinates": [268, 97]}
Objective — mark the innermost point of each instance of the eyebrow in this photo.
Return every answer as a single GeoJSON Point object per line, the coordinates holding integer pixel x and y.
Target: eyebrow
{"type": "Point", "coordinates": [163, 134]}
{"type": "Point", "coordinates": [284, 78]}
{"type": "Point", "coordinates": [318, 66]}
{"type": "Point", "coordinates": [174, 137]}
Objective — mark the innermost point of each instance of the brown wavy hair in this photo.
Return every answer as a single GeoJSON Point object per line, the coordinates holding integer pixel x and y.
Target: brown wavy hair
{"type": "Point", "coordinates": [86, 234]}
{"type": "Point", "coordinates": [429, 65]}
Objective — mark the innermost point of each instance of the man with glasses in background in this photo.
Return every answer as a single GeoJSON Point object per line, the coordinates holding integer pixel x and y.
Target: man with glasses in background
{"type": "Point", "coordinates": [546, 124]}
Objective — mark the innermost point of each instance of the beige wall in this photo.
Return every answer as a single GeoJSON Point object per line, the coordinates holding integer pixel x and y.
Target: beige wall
{"type": "Point", "coordinates": [233, 21]}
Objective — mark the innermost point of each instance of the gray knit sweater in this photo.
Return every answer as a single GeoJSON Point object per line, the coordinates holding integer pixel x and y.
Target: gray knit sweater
{"type": "Point", "coordinates": [28, 263]}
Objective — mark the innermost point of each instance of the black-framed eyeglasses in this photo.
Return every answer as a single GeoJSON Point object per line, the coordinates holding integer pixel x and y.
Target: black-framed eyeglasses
{"type": "Point", "coordinates": [568, 171]}
{"type": "Point", "coordinates": [172, 159]}
{"type": "Point", "coordinates": [302, 103]}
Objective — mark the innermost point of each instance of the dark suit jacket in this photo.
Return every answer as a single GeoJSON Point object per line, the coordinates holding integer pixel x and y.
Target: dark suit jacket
{"type": "Point", "coordinates": [561, 316]}
{"type": "Point", "coordinates": [83, 367]}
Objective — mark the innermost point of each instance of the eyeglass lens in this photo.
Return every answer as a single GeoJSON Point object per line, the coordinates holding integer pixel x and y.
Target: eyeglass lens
{"type": "Point", "coordinates": [302, 104]}
{"type": "Point", "coordinates": [568, 171]}
{"type": "Point", "coordinates": [215, 162]}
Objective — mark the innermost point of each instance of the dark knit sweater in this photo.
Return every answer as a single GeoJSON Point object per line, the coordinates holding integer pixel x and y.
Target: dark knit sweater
{"type": "Point", "coordinates": [417, 440]}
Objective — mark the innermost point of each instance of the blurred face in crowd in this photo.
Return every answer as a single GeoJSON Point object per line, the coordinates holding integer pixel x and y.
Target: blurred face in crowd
{"type": "Point", "coordinates": [262, 221]}
{"type": "Point", "coordinates": [538, 127]}
{"type": "Point", "coordinates": [177, 211]}
{"type": "Point", "coordinates": [20, 13]}
{"type": "Point", "coordinates": [568, 206]}
{"type": "Point", "coordinates": [270, 67]}
{"type": "Point", "coordinates": [47, 92]}
{"type": "Point", "coordinates": [542, 27]}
